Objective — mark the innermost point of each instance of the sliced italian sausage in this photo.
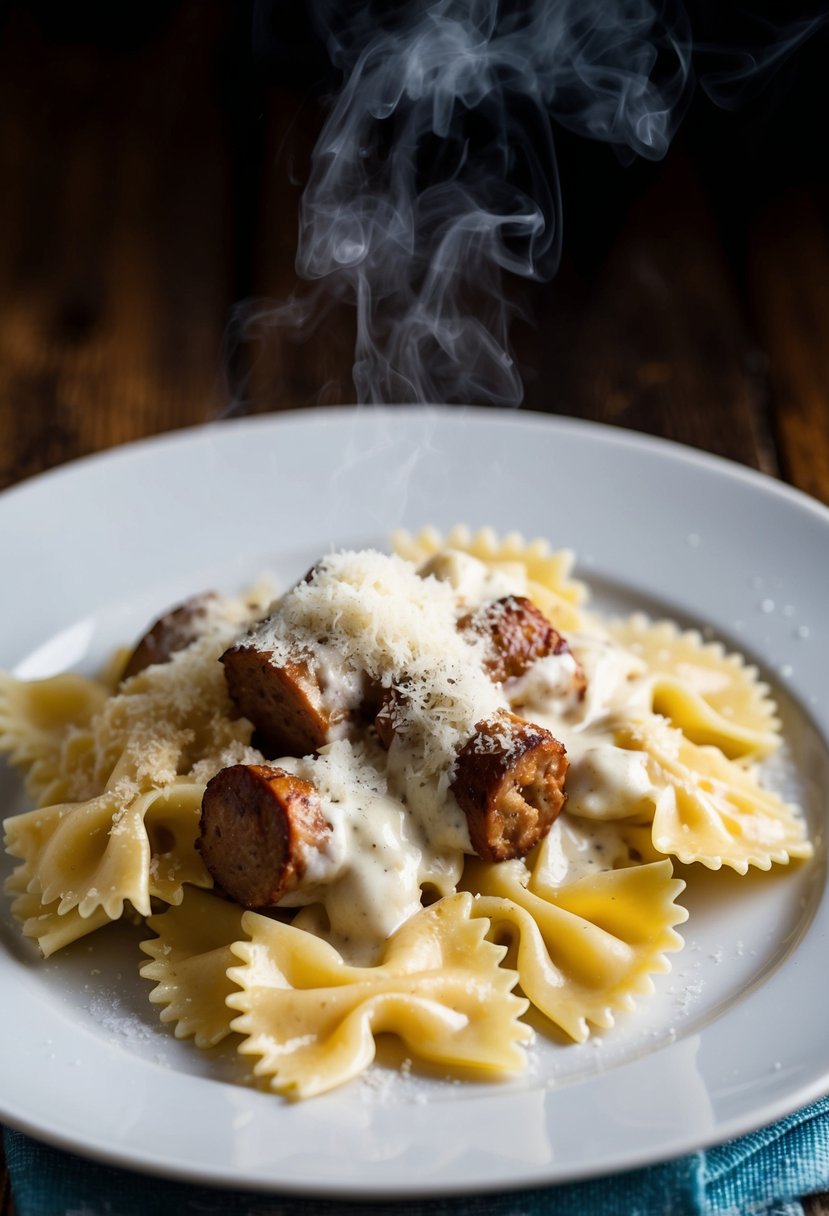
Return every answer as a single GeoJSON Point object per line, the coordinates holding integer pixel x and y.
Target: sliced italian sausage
{"type": "Point", "coordinates": [509, 782]}
{"type": "Point", "coordinates": [283, 701]}
{"type": "Point", "coordinates": [517, 635]}
{"type": "Point", "coordinates": [259, 828]}
{"type": "Point", "coordinates": [173, 631]}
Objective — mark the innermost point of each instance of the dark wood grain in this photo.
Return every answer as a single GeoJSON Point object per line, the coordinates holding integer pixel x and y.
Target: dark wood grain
{"type": "Point", "coordinates": [151, 178]}
{"type": "Point", "coordinates": [657, 339]}
{"type": "Point", "coordinates": [789, 282]}
{"type": "Point", "coordinates": [283, 360]}
{"type": "Point", "coordinates": [114, 291]}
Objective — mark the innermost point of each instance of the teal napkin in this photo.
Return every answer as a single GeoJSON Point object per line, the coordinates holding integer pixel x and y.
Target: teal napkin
{"type": "Point", "coordinates": [765, 1173]}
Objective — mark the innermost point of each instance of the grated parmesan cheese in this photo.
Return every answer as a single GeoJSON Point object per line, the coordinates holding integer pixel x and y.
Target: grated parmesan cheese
{"type": "Point", "coordinates": [369, 614]}
{"type": "Point", "coordinates": [170, 719]}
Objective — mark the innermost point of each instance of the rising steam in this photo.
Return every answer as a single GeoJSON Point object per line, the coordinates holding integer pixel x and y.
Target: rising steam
{"type": "Point", "coordinates": [435, 171]}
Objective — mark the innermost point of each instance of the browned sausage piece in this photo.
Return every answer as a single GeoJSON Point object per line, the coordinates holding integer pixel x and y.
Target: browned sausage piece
{"type": "Point", "coordinates": [517, 635]}
{"type": "Point", "coordinates": [258, 827]}
{"type": "Point", "coordinates": [284, 702]}
{"type": "Point", "coordinates": [174, 631]}
{"type": "Point", "coordinates": [509, 782]}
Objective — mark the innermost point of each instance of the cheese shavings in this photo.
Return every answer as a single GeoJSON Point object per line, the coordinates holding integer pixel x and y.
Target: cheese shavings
{"type": "Point", "coordinates": [368, 614]}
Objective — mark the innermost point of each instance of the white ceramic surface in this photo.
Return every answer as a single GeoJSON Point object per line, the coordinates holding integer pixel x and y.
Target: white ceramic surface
{"type": "Point", "coordinates": [735, 1036]}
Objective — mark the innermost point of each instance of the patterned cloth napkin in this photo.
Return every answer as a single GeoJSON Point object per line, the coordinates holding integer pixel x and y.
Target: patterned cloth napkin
{"type": "Point", "coordinates": [764, 1174]}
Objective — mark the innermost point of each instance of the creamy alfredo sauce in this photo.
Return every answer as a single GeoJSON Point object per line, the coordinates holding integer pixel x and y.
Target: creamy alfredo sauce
{"type": "Point", "coordinates": [396, 829]}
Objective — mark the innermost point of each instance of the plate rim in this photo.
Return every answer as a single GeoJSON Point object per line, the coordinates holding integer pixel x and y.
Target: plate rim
{"type": "Point", "coordinates": [621, 436]}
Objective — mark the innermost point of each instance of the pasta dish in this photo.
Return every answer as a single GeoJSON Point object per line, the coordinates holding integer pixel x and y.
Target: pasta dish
{"type": "Point", "coordinates": [428, 793]}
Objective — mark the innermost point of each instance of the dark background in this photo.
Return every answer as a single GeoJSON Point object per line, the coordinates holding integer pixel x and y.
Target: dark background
{"type": "Point", "coordinates": [152, 157]}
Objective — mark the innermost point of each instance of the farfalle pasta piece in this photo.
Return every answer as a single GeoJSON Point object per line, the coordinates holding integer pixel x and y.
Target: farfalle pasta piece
{"type": "Point", "coordinates": [712, 810]}
{"type": "Point", "coordinates": [575, 847]}
{"type": "Point", "coordinates": [171, 821]}
{"type": "Point", "coordinates": [584, 950]}
{"type": "Point", "coordinates": [312, 1019]}
{"type": "Point", "coordinates": [714, 697]}
{"type": "Point", "coordinates": [50, 929]}
{"type": "Point", "coordinates": [190, 959]}
{"type": "Point", "coordinates": [548, 574]}
{"type": "Point", "coordinates": [106, 852]}
{"type": "Point", "coordinates": [40, 720]}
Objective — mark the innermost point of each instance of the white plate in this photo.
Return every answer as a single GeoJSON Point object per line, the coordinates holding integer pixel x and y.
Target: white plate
{"type": "Point", "coordinates": [735, 1036]}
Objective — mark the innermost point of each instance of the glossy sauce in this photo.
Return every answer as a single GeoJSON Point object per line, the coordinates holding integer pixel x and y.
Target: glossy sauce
{"type": "Point", "coordinates": [397, 830]}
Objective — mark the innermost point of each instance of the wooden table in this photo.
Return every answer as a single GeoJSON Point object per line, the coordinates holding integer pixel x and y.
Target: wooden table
{"type": "Point", "coordinates": [151, 177]}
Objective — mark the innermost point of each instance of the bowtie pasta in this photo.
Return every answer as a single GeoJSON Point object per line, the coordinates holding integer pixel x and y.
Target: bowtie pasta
{"type": "Point", "coordinates": [423, 793]}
